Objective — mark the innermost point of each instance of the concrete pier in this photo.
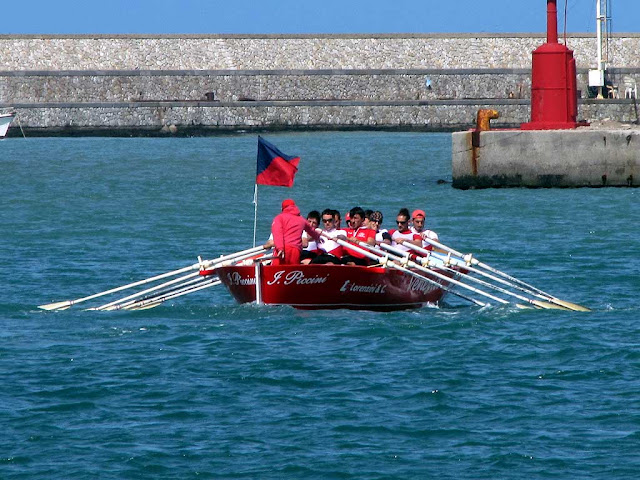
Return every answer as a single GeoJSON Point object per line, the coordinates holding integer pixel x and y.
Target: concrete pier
{"type": "Point", "coordinates": [596, 156]}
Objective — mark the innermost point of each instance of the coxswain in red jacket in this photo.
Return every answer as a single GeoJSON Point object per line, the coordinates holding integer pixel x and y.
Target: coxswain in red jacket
{"type": "Point", "coordinates": [287, 230]}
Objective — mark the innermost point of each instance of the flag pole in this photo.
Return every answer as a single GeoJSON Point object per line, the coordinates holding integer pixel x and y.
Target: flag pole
{"type": "Point", "coordinates": [272, 168]}
{"type": "Point", "coordinates": [255, 213]}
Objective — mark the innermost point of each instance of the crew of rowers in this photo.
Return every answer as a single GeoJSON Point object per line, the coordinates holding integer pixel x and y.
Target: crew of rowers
{"type": "Point", "coordinates": [296, 240]}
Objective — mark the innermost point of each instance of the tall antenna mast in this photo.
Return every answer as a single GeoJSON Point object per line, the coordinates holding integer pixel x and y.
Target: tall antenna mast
{"type": "Point", "coordinates": [603, 27]}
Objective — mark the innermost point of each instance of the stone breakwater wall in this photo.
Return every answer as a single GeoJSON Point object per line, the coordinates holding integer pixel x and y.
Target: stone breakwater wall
{"type": "Point", "coordinates": [157, 118]}
{"type": "Point", "coordinates": [188, 83]}
{"type": "Point", "coordinates": [194, 118]}
{"type": "Point", "coordinates": [247, 85]}
{"type": "Point", "coordinates": [285, 85]}
{"type": "Point", "coordinates": [295, 52]}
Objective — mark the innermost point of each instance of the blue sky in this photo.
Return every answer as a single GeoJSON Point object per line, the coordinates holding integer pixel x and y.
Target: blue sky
{"type": "Point", "coordinates": [304, 16]}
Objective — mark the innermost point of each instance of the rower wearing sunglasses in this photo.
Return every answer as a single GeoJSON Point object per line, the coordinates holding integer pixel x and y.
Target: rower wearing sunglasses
{"type": "Point", "coordinates": [375, 223]}
{"type": "Point", "coordinates": [332, 252]}
{"type": "Point", "coordinates": [403, 233]}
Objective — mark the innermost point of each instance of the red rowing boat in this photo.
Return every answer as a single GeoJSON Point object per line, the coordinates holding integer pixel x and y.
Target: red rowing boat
{"type": "Point", "coordinates": [332, 286]}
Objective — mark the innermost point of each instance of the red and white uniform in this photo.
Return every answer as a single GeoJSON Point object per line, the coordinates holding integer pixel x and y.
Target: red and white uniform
{"type": "Point", "coordinates": [380, 235]}
{"type": "Point", "coordinates": [330, 246]}
{"type": "Point", "coordinates": [312, 245]}
{"type": "Point", "coordinates": [430, 234]}
{"type": "Point", "coordinates": [362, 234]}
{"type": "Point", "coordinates": [404, 235]}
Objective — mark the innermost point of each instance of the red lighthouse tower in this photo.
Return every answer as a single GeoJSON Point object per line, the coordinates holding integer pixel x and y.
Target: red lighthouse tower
{"type": "Point", "coordinates": [554, 94]}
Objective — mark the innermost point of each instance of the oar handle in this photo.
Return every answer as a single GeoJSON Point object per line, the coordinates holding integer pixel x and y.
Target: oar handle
{"type": "Point", "coordinates": [353, 247]}
{"type": "Point", "coordinates": [442, 246]}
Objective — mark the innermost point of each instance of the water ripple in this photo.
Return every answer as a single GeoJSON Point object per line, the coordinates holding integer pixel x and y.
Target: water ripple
{"type": "Point", "coordinates": [202, 387]}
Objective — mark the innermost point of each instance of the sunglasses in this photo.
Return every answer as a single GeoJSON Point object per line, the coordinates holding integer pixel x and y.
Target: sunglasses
{"type": "Point", "coordinates": [401, 222]}
{"type": "Point", "coordinates": [327, 220]}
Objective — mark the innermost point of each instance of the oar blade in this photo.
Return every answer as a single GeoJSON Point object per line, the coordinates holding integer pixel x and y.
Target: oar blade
{"type": "Point", "coordinates": [145, 306]}
{"type": "Point", "coordinates": [563, 304]}
{"type": "Point", "coordinates": [570, 306]}
{"type": "Point", "coordinates": [524, 307]}
{"type": "Point", "coordinates": [56, 305]}
{"type": "Point", "coordinates": [219, 261]}
{"type": "Point", "coordinates": [547, 305]}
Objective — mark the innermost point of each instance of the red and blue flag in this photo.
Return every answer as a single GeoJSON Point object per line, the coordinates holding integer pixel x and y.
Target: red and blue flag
{"type": "Point", "coordinates": [274, 167]}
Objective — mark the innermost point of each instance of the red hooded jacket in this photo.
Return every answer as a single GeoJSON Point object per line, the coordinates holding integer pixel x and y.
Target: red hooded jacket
{"type": "Point", "coordinates": [287, 229]}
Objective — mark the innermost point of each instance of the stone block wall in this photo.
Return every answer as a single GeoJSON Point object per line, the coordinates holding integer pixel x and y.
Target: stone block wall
{"type": "Point", "coordinates": [155, 118]}
{"type": "Point", "coordinates": [158, 118]}
{"type": "Point", "coordinates": [373, 85]}
{"type": "Point", "coordinates": [95, 83]}
{"type": "Point", "coordinates": [295, 52]}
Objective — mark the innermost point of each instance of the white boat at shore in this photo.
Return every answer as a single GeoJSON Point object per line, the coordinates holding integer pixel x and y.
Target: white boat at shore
{"type": "Point", "coordinates": [5, 121]}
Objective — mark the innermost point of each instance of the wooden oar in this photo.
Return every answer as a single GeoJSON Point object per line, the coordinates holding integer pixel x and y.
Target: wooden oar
{"type": "Point", "coordinates": [537, 303]}
{"type": "Point", "coordinates": [159, 299]}
{"type": "Point", "coordinates": [68, 303]}
{"type": "Point", "coordinates": [155, 291]}
{"type": "Point", "coordinates": [440, 276]}
{"type": "Point", "coordinates": [119, 303]}
{"type": "Point", "coordinates": [470, 260]}
{"type": "Point", "coordinates": [384, 260]}
{"type": "Point", "coordinates": [430, 259]}
{"type": "Point", "coordinates": [185, 288]}
{"type": "Point", "coordinates": [462, 264]}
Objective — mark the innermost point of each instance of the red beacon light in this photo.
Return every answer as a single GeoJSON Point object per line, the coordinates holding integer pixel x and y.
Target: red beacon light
{"type": "Point", "coordinates": [554, 94]}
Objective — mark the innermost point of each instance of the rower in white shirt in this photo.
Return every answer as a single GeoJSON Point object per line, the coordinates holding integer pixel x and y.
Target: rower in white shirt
{"type": "Point", "coordinates": [418, 219]}
{"type": "Point", "coordinates": [332, 252]}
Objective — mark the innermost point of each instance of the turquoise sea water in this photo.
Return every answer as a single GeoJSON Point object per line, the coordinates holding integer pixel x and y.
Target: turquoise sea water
{"type": "Point", "coordinates": [203, 388]}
